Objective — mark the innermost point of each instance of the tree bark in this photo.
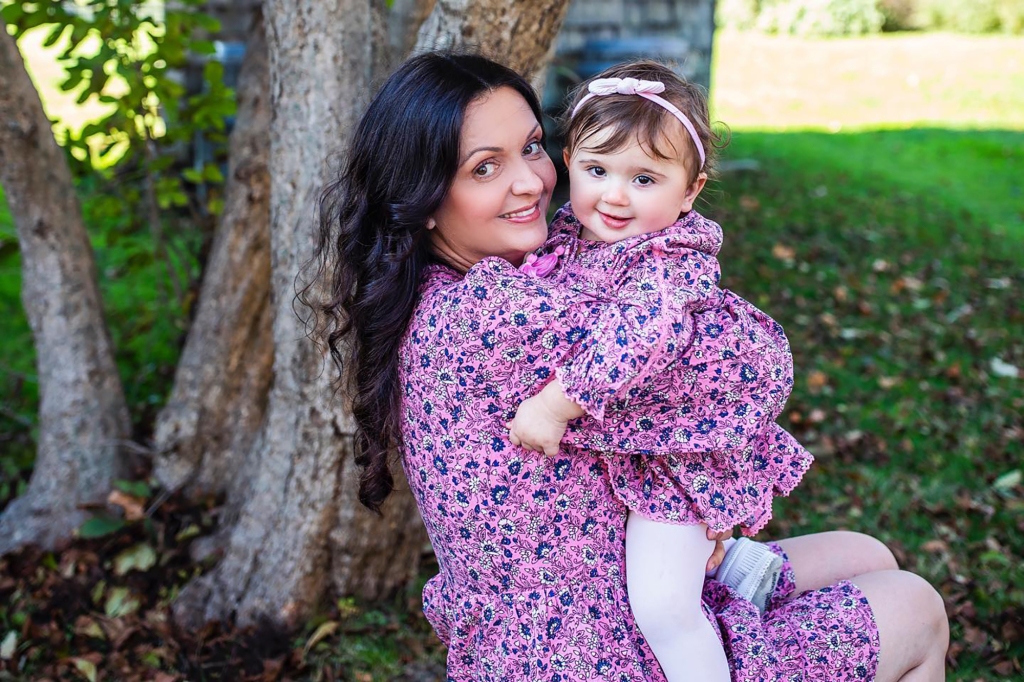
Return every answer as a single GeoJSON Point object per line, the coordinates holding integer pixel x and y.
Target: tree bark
{"type": "Point", "coordinates": [516, 34]}
{"type": "Point", "coordinates": [217, 404]}
{"type": "Point", "coordinates": [301, 527]}
{"type": "Point", "coordinates": [82, 412]}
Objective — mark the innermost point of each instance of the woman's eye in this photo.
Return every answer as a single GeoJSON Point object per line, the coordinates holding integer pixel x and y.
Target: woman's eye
{"type": "Point", "coordinates": [596, 171]}
{"type": "Point", "coordinates": [532, 148]}
{"type": "Point", "coordinates": [644, 180]}
{"type": "Point", "coordinates": [485, 169]}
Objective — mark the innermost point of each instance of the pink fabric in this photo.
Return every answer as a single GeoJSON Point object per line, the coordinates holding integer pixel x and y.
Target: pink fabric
{"type": "Point", "coordinates": [530, 548]}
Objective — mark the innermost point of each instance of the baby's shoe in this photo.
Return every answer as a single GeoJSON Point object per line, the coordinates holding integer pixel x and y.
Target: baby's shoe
{"type": "Point", "coordinates": [751, 569]}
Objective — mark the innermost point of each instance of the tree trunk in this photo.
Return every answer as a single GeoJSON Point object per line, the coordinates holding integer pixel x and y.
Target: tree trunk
{"type": "Point", "coordinates": [302, 526]}
{"type": "Point", "coordinates": [82, 413]}
{"type": "Point", "coordinates": [217, 404]}
{"type": "Point", "coordinates": [516, 34]}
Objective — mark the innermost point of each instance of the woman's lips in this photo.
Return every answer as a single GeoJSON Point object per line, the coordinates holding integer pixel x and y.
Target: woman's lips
{"type": "Point", "coordinates": [525, 215]}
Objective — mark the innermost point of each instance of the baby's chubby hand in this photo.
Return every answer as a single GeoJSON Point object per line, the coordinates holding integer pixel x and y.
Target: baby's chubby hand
{"type": "Point", "coordinates": [540, 421]}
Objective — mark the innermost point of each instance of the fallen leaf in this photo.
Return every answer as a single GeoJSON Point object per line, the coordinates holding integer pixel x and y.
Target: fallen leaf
{"type": "Point", "coordinates": [120, 602]}
{"type": "Point", "coordinates": [140, 557]}
{"type": "Point", "coordinates": [816, 380]}
{"type": "Point", "coordinates": [783, 252]}
{"type": "Point", "coordinates": [1003, 369]}
{"type": "Point", "coordinates": [86, 668]}
{"type": "Point", "coordinates": [9, 646]}
{"type": "Point", "coordinates": [975, 638]}
{"type": "Point", "coordinates": [1008, 481]}
{"type": "Point", "coordinates": [750, 203]}
{"type": "Point", "coordinates": [325, 630]}
{"type": "Point", "coordinates": [134, 507]}
{"type": "Point", "coordinates": [935, 546]}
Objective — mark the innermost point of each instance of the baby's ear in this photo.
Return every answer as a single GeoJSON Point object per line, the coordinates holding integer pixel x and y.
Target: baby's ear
{"type": "Point", "coordinates": [693, 191]}
{"type": "Point", "coordinates": [565, 156]}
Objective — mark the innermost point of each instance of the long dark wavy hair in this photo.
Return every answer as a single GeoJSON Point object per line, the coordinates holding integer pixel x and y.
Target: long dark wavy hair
{"type": "Point", "coordinates": [371, 239]}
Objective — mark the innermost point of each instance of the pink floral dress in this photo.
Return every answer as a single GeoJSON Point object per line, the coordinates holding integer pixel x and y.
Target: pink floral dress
{"type": "Point", "coordinates": [531, 549]}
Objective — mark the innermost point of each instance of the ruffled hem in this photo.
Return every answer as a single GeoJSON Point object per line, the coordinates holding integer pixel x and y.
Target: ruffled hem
{"type": "Point", "coordinates": [722, 491]}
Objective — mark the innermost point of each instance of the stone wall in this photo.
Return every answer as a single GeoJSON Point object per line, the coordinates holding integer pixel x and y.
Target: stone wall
{"type": "Point", "coordinates": [598, 33]}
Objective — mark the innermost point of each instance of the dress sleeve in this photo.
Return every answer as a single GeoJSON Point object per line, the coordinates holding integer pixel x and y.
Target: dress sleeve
{"type": "Point", "coordinates": [640, 322]}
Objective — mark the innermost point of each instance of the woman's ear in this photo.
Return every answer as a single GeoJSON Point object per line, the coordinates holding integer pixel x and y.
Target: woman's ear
{"type": "Point", "coordinates": [693, 191]}
{"type": "Point", "coordinates": [431, 223]}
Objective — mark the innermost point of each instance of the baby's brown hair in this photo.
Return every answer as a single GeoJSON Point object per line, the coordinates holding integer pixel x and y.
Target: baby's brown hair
{"type": "Point", "coordinates": [634, 118]}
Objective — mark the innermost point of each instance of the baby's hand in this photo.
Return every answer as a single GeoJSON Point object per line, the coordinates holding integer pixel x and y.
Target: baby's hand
{"type": "Point", "coordinates": [537, 427]}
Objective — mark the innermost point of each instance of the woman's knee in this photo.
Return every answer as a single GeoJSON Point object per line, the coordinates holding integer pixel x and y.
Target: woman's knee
{"type": "Point", "coordinates": [873, 553]}
{"type": "Point", "coordinates": [911, 620]}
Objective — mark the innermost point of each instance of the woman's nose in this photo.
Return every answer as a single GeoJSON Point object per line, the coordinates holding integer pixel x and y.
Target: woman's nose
{"type": "Point", "coordinates": [527, 182]}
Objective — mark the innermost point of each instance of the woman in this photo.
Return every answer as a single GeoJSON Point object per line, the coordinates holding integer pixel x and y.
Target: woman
{"type": "Point", "coordinates": [445, 191]}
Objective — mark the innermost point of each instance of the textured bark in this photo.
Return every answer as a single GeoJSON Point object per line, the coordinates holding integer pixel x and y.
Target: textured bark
{"type": "Point", "coordinates": [82, 411]}
{"type": "Point", "coordinates": [301, 528]}
{"type": "Point", "coordinates": [278, 557]}
{"type": "Point", "coordinates": [517, 34]}
{"type": "Point", "coordinates": [217, 404]}
{"type": "Point", "coordinates": [403, 24]}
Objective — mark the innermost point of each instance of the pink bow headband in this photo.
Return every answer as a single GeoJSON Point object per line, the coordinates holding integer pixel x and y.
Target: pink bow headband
{"type": "Point", "coordinates": [645, 89]}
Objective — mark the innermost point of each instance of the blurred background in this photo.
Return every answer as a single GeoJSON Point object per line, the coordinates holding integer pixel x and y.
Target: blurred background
{"type": "Point", "coordinates": [872, 197]}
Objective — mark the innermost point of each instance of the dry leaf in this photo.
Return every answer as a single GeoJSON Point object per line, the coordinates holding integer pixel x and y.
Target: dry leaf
{"type": "Point", "coordinates": [134, 507]}
{"type": "Point", "coordinates": [783, 252]}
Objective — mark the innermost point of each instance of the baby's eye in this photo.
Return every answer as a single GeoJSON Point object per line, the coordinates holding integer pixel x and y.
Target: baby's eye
{"type": "Point", "coordinates": [532, 148]}
{"type": "Point", "coordinates": [485, 169]}
{"type": "Point", "coordinates": [596, 171]}
{"type": "Point", "coordinates": [644, 180]}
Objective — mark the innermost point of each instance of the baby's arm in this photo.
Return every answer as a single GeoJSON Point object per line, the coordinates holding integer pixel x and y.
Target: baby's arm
{"type": "Point", "coordinates": [540, 421]}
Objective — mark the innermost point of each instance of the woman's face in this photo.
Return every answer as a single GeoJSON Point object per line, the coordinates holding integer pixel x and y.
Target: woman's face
{"type": "Point", "coordinates": [498, 202]}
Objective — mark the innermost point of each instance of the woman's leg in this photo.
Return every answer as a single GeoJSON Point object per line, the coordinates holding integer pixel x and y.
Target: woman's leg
{"type": "Point", "coordinates": [665, 578]}
{"type": "Point", "coordinates": [822, 559]}
{"type": "Point", "coordinates": [912, 626]}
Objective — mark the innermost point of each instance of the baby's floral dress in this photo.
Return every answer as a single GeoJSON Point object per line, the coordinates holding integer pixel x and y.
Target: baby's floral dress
{"type": "Point", "coordinates": [531, 549]}
{"type": "Point", "coordinates": [712, 411]}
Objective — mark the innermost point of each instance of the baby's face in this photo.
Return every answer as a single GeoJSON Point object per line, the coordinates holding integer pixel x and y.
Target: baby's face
{"type": "Point", "coordinates": [627, 192]}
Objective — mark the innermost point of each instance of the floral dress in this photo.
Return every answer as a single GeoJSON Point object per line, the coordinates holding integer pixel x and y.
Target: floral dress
{"type": "Point", "coordinates": [531, 549]}
{"type": "Point", "coordinates": [712, 412]}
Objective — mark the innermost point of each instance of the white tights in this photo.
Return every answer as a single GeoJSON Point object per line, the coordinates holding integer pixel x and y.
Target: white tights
{"type": "Point", "coordinates": [665, 577]}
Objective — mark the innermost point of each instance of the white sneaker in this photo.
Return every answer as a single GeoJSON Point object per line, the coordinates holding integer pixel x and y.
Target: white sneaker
{"type": "Point", "coordinates": [751, 569]}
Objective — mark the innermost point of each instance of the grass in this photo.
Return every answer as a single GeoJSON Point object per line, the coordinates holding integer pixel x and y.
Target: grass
{"type": "Point", "coordinates": [883, 229]}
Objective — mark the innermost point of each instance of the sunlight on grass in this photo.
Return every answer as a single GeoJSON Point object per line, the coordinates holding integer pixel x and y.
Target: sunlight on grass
{"type": "Point", "coordinates": [938, 115]}
{"type": "Point", "coordinates": [937, 80]}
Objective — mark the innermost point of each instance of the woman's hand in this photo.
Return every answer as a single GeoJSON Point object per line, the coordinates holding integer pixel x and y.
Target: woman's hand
{"type": "Point", "coordinates": [718, 555]}
{"type": "Point", "coordinates": [540, 421]}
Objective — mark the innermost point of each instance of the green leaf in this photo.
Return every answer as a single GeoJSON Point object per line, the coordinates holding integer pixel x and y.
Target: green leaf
{"type": "Point", "coordinates": [99, 526]}
{"type": "Point", "coordinates": [12, 13]}
{"type": "Point", "coordinates": [1008, 481]}
{"type": "Point", "coordinates": [202, 47]}
{"type": "Point", "coordinates": [120, 602]}
{"type": "Point", "coordinates": [86, 668]}
{"type": "Point", "coordinates": [55, 35]}
{"type": "Point", "coordinates": [141, 557]}
{"type": "Point", "coordinates": [136, 488]}
{"type": "Point", "coordinates": [192, 175]}
{"type": "Point", "coordinates": [213, 174]}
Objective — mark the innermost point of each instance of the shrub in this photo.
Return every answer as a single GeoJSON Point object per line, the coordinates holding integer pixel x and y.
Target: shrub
{"type": "Point", "coordinates": [966, 16]}
{"type": "Point", "coordinates": [737, 14]}
{"type": "Point", "coordinates": [820, 17]}
{"type": "Point", "coordinates": [898, 15]}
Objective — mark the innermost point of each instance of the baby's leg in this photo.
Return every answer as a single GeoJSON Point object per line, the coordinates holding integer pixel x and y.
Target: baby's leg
{"type": "Point", "coordinates": [665, 578]}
